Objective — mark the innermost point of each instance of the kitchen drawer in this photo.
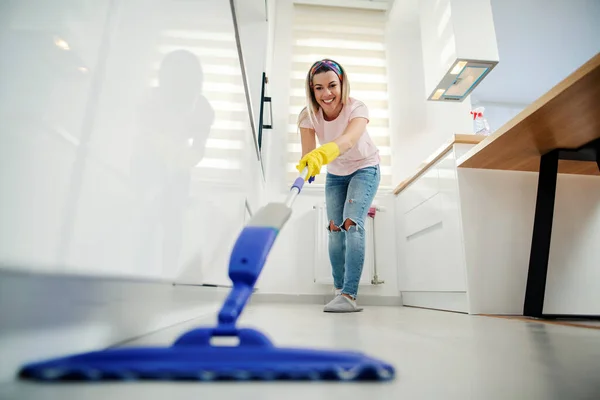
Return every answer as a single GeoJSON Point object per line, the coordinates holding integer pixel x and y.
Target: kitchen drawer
{"type": "Point", "coordinates": [423, 188]}
{"type": "Point", "coordinates": [424, 216]}
{"type": "Point", "coordinates": [431, 249]}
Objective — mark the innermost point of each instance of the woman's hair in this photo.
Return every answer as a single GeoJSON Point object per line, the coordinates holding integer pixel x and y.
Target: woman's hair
{"type": "Point", "coordinates": [312, 106]}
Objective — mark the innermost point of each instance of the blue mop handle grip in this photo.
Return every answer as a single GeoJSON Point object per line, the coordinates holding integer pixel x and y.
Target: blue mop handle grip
{"type": "Point", "coordinates": [299, 182]}
{"type": "Point", "coordinates": [245, 265]}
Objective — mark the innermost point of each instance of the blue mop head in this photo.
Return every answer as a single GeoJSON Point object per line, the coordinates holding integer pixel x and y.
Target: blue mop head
{"type": "Point", "coordinates": [194, 357]}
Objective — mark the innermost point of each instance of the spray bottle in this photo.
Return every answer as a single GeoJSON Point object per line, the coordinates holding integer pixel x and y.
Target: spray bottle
{"type": "Point", "coordinates": [480, 124]}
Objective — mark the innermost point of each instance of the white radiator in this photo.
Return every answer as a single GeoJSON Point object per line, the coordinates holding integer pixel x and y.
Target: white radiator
{"type": "Point", "coordinates": [322, 266]}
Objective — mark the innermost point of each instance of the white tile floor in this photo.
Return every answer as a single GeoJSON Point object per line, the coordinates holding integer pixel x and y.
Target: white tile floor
{"type": "Point", "coordinates": [438, 355]}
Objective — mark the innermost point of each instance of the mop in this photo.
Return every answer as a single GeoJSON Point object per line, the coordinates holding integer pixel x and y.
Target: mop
{"type": "Point", "coordinates": [195, 356]}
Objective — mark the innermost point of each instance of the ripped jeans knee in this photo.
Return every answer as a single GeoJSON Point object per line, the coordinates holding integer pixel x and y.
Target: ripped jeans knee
{"type": "Point", "coordinates": [349, 223]}
{"type": "Point", "coordinates": [346, 254]}
{"type": "Point", "coordinates": [333, 227]}
{"type": "Point", "coordinates": [346, 226]}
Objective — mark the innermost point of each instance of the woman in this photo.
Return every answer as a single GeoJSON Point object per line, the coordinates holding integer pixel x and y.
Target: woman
{"type": "Point", "coordinates": [340, 123]}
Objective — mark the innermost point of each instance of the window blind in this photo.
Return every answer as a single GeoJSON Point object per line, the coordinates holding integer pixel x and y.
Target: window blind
{"type": "Point", "coordinates": [356, 39]}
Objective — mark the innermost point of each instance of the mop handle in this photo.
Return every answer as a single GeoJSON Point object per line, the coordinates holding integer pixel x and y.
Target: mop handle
{"type": "Point", "coordinates": [250, 254]}
{"type": "Point", "coordinates": [297, 187]}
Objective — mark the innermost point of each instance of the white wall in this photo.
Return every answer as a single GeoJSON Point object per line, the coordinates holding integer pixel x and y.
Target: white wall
{"type": "Point", "coordinates": [498, 209]}
{"type": "Point", "coordinates": [540, 42]}
{"type": "Point", "coordinates": [573, 273]}
{"type": "Point", "coordinates": [536, 52]}
{"type": "Point", "coordinates": [418, 127]}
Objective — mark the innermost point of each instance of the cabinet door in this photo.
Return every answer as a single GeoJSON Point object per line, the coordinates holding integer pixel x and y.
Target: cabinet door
{"type": "Point", "coordinates": [430, 252]}
{"type": "Point", "coordinates": [424, 188]}
{"type": "Point", "coordinates": [400, 240]}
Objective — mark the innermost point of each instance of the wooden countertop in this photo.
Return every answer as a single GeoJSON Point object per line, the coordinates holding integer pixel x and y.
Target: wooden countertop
{"type": "Point", "coordinates": [568, 116]}
{"type": "Point", "coordinates": [437, 155]}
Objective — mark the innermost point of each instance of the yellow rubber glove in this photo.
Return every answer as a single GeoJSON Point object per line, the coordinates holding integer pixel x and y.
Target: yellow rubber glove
{"type": "Point", "coordinates": [317, 158]}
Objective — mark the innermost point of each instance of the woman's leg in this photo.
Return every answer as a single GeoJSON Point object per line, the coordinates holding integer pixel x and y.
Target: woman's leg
{"type": "Point", "coordinates": [335, 196]}
{"type": "Point", "coordinates": [361, 192]}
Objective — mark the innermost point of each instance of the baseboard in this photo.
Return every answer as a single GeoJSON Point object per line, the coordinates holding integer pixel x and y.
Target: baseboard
{"type": "Point", "coordinates": [50, 315]}
{"type": "Point", "coordinates": [447, 301]}
{"type": "Point", "coordinates": [364, 300]}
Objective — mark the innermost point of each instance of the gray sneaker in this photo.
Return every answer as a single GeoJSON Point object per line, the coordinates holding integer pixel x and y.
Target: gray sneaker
{"type": "Point", "coordinates": [342, 304]}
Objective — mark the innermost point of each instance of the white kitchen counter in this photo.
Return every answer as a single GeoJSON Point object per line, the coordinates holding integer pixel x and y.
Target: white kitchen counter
{"type": "Point", "coordinates": [464, 239]}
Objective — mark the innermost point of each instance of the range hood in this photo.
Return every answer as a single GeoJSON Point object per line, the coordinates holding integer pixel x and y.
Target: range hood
{"type": "Point", "coordinates": [459, 46]}
{"type": "Point", "coordinates": [460, 80]}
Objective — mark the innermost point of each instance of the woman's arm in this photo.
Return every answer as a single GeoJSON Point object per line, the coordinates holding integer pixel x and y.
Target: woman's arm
{"type": "Point", "coordinates": [328, 151]}
{"type": "Point", "coordinates": [308, 139]}
{"type": "Point", "coordinates": [353, 132]}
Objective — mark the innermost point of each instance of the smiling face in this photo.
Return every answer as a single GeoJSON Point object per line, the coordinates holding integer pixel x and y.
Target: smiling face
{"type": "Point", "coordinates": [328, 93]}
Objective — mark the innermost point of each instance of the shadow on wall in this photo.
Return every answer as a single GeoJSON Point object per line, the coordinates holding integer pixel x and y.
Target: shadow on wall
{"type": "Point", "coordinates": [173, 128]}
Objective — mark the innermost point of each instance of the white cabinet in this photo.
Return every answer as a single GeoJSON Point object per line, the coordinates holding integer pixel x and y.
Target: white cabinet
{"type": "Point", "coordinates": [464, 240]}
{"type": "Point", "coordinates": [96, 174]}
{"type": "Point", "coordinates": [429, 235]}
{"type": "Point", "coordinates": [253, 30]}
{"type": "Point", "coordinates": [420, 190]}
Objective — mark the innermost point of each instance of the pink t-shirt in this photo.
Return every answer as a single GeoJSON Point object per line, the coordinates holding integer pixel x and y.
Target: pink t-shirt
{"type": "Point", "coordinates": [363, 154]}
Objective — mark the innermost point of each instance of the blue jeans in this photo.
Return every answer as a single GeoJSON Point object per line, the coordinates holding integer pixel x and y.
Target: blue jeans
{"type": "Point", "coordinates": [349, 197]}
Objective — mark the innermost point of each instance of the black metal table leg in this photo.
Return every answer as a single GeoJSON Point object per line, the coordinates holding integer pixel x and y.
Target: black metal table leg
{"type": "Point", "coordinates": [542, 234]}
{"type": "Point", "coordinates": [596, 146]}
{"type": "Point", "coordinates": [542, 225]}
